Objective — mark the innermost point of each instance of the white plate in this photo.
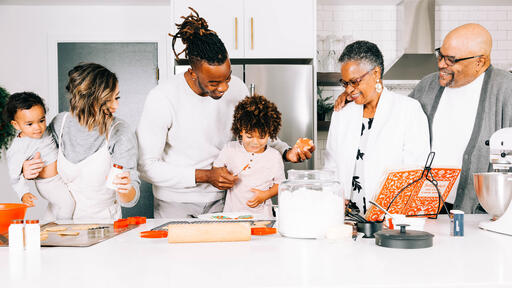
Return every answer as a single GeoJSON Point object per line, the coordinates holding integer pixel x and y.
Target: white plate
{"type": "Point", "coordinates": [232, 215]}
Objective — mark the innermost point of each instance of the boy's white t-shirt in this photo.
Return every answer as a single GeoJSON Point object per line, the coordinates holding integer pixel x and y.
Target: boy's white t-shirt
{"type": "Point", "coordinates": [264, 170]}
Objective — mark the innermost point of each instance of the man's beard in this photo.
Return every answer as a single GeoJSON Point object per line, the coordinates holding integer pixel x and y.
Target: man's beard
{"type": "Point", "coordinates": [446, 71]}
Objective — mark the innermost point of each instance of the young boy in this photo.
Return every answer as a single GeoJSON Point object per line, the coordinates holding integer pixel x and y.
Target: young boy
{"type": "Point", "coordinates": [259, 167]}
{"type": "Point", "coordinates": [27, 113]}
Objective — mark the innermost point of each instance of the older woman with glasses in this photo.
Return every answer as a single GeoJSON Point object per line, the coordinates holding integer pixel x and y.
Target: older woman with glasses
{"type": "Point", "coordinates": [377, 131]}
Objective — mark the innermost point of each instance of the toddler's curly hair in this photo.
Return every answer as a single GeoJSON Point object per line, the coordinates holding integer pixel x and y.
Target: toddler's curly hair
{"type": "Point", "coordinates": [256, 113]}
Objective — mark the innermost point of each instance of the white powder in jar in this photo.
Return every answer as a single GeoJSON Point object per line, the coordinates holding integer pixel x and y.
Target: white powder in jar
{"type": "Point", "coordinates": [310, 213]}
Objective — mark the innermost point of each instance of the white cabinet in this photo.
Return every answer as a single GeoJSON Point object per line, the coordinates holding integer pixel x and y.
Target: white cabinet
{"type": "Point", "coordinates": [257, 28]}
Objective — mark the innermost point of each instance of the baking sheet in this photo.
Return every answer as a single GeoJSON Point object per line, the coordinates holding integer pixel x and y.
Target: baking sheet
{"type": "Point", "coordinates": [85, 238]}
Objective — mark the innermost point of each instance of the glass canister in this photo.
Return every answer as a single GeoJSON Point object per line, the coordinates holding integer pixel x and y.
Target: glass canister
{"type": "Point", "coordinates": [310, 203]}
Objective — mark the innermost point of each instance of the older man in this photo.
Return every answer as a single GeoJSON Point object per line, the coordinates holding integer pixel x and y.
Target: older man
{"type": "Point", "coordinates": [465, 102]}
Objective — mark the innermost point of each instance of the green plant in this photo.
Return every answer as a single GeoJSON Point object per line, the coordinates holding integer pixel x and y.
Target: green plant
{"type": "Point", "coordinates": [323, 105]}
{"type": "Point", "coordinates": [6, 129]}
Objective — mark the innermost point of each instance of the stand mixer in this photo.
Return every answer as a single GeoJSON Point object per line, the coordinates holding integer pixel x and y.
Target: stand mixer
{"type": "Point", "coordinates": [494, 189]}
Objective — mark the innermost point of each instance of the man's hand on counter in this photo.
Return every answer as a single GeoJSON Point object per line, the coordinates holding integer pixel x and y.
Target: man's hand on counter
{"type": "Point", "coordinates": [219, 177]}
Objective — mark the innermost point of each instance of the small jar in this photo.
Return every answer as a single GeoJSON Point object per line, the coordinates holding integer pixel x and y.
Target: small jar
{"type": "Point", "coordinates": [310, 203]}
{"type": "Point", "coordinates": [116, 169]}
{"type": "Point", "coordinates": [16, 237]}
{"type": "Point", "coordinates": [32, 235]}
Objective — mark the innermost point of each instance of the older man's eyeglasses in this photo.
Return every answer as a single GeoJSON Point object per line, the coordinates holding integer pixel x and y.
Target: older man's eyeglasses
{"type": "Point", "coordinates": [451, 60]}
{"type": "Point", "coordinates": [354, 82]}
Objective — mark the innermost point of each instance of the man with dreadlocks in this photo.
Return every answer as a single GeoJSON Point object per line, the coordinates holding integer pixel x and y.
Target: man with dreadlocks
{"type": "Point", "coordinates": [186, 122]}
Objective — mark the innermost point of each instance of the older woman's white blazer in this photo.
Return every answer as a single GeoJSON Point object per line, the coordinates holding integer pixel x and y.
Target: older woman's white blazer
{"type": "Point", "coordinates": [399, 139]}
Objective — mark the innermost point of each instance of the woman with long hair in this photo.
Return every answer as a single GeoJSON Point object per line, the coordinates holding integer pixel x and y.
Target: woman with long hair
{"type": "Point", "coordinates": [90, 140]}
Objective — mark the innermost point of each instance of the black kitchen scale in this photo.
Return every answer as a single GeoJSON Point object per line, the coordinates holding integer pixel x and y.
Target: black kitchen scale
{"type": "Point", "coordinates": [403, 239]}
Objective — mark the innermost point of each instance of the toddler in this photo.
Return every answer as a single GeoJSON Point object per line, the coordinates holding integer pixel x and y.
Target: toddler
{"type": "Point", "coordinates": [259, 167]}
{"type": "Point", "coordinates": [27, 113]}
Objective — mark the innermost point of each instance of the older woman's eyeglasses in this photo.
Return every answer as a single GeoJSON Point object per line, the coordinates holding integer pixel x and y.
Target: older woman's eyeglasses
{"type": "Point", "coordinates": [451, 60]}
{"type": "Point", "coordinates": [354, 82]}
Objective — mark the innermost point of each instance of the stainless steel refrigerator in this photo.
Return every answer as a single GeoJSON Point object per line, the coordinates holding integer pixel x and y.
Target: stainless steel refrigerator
{"type": "Point", "coordinates": [290, 87]}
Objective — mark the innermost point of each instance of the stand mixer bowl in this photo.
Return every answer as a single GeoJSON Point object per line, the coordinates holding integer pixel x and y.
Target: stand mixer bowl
{"type": "Point", "coordinates": [494, 191]}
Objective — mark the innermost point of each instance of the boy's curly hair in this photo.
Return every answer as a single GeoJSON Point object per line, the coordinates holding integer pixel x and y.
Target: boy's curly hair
{"type": "Point", "coordinates": [256, 113]}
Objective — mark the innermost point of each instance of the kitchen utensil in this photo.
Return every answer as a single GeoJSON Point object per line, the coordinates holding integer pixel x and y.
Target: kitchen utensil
{"type": "Point", "coordinates": [380, 207]}
{"type": "Point", "coordinates": [243, 169]}
{"type": "Point", "coordinates": [494, 189]}
{"type": "Point", "coordinates": [404, 239]}
{"type": "Point", "coordinates": [154, 234]}
{"type": "Point", "coordinates": [9, 212]}
{"type": "Point", "coordinates": [263, 231]}
{"type": "Point", "coordinates": [232, 216]}
{"type": "Point", "coordinates": [369, 228]}
{"type": "Point", "coordinates": [254, 223]}
{"type": "Point", "coordinates": [208, 232]}
{"type": "Point", "coordinates": [84, 238]}
{"type": "Point", "coordinates": [354, 216]}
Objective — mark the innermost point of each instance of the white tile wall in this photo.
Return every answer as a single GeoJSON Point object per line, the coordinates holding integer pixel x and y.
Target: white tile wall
{"type": "Point", "coordinates": [497, 19]}
{"type": "Point", "coordinates": [376, 24]}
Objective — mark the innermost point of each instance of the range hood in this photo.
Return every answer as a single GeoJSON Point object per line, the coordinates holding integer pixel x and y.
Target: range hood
{"type": "Point", "coordinates": [415, 39]}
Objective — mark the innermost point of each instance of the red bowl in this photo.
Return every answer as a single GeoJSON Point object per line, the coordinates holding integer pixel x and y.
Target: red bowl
{"type": "Point", "coordinates": [9, 212]}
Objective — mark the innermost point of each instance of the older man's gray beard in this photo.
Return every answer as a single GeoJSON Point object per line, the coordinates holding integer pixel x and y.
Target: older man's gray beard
{"type": "Point", "coordinates": [446, 71]}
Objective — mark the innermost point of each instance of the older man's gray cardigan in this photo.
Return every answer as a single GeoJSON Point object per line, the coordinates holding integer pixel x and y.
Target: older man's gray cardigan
{"type": "Point", "coordinates": [494, 112]}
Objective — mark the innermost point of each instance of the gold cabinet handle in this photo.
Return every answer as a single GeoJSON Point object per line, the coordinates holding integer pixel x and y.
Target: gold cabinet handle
{"type": "Point", "coordinates": [252, 33]}
{"type": "Point", "coordinates": [236, 33]}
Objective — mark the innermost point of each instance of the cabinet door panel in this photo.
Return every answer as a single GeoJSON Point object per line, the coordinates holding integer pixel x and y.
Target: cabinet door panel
{"type": "Point", "coordinates": [281, 29]}
{"type": "Point", "coordinates": [221, 17]}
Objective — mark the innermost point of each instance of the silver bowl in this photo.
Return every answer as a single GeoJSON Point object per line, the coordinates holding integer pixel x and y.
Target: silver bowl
{"type": "Point", "coordinates": [494, 191]}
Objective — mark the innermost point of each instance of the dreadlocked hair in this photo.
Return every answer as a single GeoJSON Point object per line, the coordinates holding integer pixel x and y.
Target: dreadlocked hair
{"type": "Point", "coordinates": [256, 113]}
{"type": "Point", "coordinates": [201, 43]}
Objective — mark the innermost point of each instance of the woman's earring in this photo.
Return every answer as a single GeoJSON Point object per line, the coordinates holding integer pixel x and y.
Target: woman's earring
{"type": "Point", "coordinates": [378, 87]}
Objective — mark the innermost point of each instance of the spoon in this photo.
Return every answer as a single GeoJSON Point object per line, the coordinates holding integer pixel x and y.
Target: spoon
{"type": "Point", "coordinates": [380, 207]}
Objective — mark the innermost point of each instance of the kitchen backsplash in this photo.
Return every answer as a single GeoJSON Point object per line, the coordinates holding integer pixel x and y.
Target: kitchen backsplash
{"type": "Point", "coordinates": [377, 23]}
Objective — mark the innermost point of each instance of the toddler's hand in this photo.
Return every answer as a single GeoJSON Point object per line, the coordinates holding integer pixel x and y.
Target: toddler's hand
{"type": "Point", "coordinates": [260, 196]}
{"type": "Point", "coordinates": [31, 168]}
{"type": "Point", "coordinates": [123, 182]}
{"type": "Point", "coordinates": [28, 198]}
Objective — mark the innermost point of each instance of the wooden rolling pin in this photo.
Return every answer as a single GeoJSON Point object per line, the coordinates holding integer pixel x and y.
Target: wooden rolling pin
{"type": "Point", "coordinates": [210, 232]}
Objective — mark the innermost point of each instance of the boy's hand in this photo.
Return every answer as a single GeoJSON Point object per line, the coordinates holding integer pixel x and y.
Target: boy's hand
{"type": "Point", "coordinates": [260, 196]}
{"type": "Point", "coordinates": [31, 168]}
{"type": "Point", "coordinates": [28, 198]}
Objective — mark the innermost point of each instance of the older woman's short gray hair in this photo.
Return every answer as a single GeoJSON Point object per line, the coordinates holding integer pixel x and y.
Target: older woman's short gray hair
{"type": "Point", "coordinates": [365, 52]}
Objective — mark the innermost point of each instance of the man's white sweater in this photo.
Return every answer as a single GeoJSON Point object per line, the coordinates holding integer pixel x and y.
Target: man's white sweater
{"type": "Point", "coordinates": [179, 132]}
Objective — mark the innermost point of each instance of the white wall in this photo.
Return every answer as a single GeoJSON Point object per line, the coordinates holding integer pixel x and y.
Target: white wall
{"type": "Point", "coordinates": [28, 37]}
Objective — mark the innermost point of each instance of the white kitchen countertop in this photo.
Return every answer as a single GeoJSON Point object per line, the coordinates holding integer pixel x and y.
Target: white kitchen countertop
{"type": "Point", "coordinates": [479, 259]}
